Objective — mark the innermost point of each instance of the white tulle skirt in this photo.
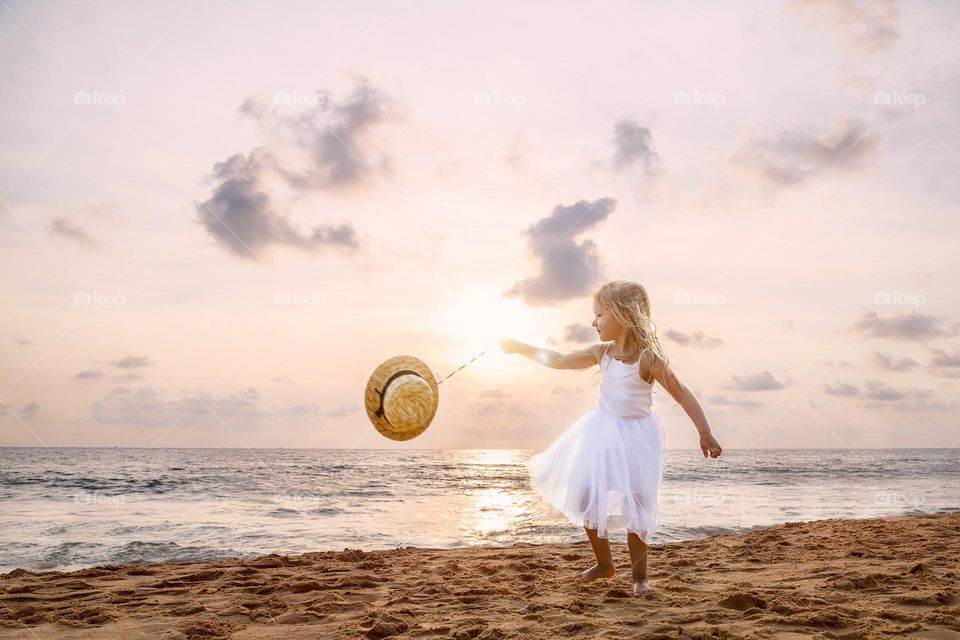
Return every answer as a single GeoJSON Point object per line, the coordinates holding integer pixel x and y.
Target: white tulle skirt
{"type": "Point", "coordinates": [605, 472]}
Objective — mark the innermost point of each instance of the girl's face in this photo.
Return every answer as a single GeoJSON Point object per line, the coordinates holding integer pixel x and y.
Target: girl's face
{"type": "Point", "coordinates": [607, 327]}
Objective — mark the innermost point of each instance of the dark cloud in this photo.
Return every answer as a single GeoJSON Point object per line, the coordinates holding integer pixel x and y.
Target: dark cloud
{"type": "Point", "coordinates": [89, 374]}
{"type": "Point", "coordinates": [793, 156]}
{"type": "Point", "coordinates": [724, 400]}
{"type": "Point", "coordinates": [241, 216]}
{"type": "Point", "coordinates": [132, 362]}
{"type": "Point", "coordinates": [326, 147]}
{"type": "Point", "coordinates": [633, 145]}
{"type": "Point", "coordinates": [695, 339]}
{"type": "Point", "coordinates": [763, 381]}
{"type": "Point", "coordinates": [907, 326]}
{"type": "Point", "coordinates": [890, 363]}
{"type": "Point", "coordinates": [71, 230]}
{"type": "Point", "coordinates": [568, 268]}
{"type": "Point", "coordinates": [843, 389]}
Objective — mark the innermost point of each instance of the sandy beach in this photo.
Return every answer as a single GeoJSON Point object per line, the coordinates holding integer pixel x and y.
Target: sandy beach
{"type": "Point", "coordinates": [871, 578]}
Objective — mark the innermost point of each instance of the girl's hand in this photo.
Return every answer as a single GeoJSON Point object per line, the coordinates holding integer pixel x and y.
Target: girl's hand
{"type": "Point", "coordinates": [709, 445]}
{"type": "Point", "coordinates": [509, 345]}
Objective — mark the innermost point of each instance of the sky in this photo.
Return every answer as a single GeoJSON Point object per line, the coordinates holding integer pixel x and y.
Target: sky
{"type": "Point", "coordinates": [217, 218]}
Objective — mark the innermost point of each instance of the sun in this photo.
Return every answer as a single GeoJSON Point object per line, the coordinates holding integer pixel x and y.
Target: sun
{"type": "Point", "coordinates": [478, 317]}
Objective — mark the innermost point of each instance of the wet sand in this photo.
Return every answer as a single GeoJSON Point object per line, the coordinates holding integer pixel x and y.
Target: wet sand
{"type": "Point", "coordinates": [873, 578]}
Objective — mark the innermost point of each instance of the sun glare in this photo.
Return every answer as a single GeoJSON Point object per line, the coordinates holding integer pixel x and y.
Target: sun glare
{"type": "Point", "coordinates": [479, 317]}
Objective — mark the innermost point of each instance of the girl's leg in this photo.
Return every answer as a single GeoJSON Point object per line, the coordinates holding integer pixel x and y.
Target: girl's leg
{"type": "Point", "coordinates": [601, 549]}
{"type": "Point", "coordinates": [638, 564]}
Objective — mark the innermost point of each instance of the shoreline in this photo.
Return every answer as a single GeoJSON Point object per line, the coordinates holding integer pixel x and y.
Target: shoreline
{"type": "Point", "coordinates": [842, 578]}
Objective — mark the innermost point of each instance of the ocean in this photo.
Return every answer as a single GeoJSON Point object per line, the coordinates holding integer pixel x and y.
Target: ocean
{"type": "Point", "coordinates": [69, 508]}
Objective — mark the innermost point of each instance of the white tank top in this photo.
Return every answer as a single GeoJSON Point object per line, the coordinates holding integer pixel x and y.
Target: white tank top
{"type": "Point", "coordinates": [622, 391]}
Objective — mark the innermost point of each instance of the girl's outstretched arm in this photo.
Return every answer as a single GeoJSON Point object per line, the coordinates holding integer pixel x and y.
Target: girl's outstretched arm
{"type": "Point", "coordinates": [665, 376]}
{"type": "Point", "coordinates": [582, 359]}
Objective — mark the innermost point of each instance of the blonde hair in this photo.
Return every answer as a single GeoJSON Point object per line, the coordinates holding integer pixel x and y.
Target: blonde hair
{"type": "Point", "coordinates": [629, 304]}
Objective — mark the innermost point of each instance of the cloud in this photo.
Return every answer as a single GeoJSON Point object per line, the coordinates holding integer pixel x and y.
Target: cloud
{"type": "Point", "coordinates": [512, 408]}
{"type": "Point", "coordinates": [68, 229]}
{"type": "Point", "coordinates": [902, 399]}
{"type": "Point", "coordinates": [633, 145]}
{"type": "Point", "coordinates": [794, 156]}
{"type": "Point", "coordinates": [29, 410]}
{"type": "Point", "coordinates": [889, 363]}
{"type": "Point", "coordinates": [579, 333]}
{"type": "Point", "coordinates": [865, 25]}
{"type": "Point", "coordinates": [326, 147]}
{"type": "Point", "coordinates": [696, 339]}
{"type": "Point", "coordinates": [89, 374]}
{"type": "Point", "coordinates": [910, 325]}
{"type": "Point", "coordinates": [333, 136]}
{"type": "Point", "coordinates": [724, 400]}
{"type": "Point", "coordinates": [22, 342]}
{"type": "Point", "coordinates": [945, 364]}
{"type": "Point", "coordinates": [843, 364]}
{"type": "Point", "coordinates": [146, 406]}
{"type": "Point", "coordinates": [880, 395]}
{"type": "Point", "coordinates": [763, 381]}
{"type": "Point", "coordinates": [568, 269]}
{"type": "Point", "coordinates": [131, 362]}
{"type": "Point", "coordinates": [241, 216]}
{"type": "Point", "coordinates": [843, 389]}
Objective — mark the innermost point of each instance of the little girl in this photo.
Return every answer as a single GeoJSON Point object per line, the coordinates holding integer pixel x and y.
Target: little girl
{"type": "Point", "coordinates": [609, 463]}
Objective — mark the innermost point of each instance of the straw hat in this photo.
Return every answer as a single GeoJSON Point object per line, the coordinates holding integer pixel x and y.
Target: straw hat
{"type": "Point", "coordinates": [401, 397]}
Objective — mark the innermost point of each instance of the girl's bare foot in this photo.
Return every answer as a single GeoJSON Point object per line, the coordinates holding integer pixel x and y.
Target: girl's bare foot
{"type": "Point", "coordinates": [594, 572]}
{"type": "Point", "coordinates": [641, 588]}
